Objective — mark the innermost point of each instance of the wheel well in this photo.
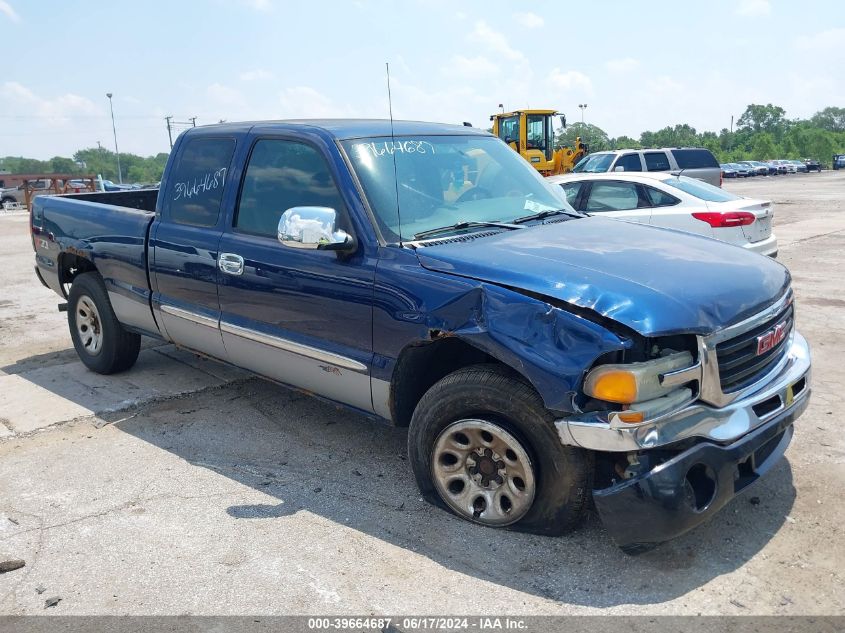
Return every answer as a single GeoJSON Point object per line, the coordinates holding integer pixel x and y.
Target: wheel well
{"type": "Point", "coordinates": [70, 266]}
{"type": "Point", "coordinates": [420, 366]}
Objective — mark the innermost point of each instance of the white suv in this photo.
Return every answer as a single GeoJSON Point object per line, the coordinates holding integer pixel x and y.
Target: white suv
{"type": "Point", "coordinates": [695, 162]}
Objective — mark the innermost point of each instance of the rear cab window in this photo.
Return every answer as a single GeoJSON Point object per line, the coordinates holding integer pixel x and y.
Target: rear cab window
{"type": "Point", "coordinates": [656, 161]}
{"type": "Point", "coordinates": [694, 158]}
{"type": "Point", "coordinates": [195, 189]}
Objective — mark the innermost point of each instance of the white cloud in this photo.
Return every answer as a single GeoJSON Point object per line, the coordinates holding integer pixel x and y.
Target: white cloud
{"type": "Point", "coordinates": [664, 85]}
{"type": "Point", "coordinates": [7, 10]}
{"type": "Point", "coordinates": [529, 20]}
{"type": "Point", "coordinates": [223, 95]}
{"type": "Point", "coordinates": [623, 65]}
{"type": "Point", "coordinates": [306, 102]}
{"type": "Point", "coordinates": [55, 110]}
{"type": "Point", "coordinates": [471, 67]}
{"type": "Point", "coordinates": [448, 104]}
{"type": "Point", "coordinates": [259, 5]}
{"type": "Point", "coordinates": [825, 43]}
{"type": "Point", "coordinates": [753, 8]}
{"type": "Point", "coordinates": [571, 80]}
{"type": "Point", "coordinates": [257, 74]}
{"type": "Point", "coordinates": [495, 41]}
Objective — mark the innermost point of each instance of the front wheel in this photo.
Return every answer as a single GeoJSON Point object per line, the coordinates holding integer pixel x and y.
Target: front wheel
{"type": "Point", "coordinates": [482, 445]}
{"type": "Point", "coordinates": [98, 337]}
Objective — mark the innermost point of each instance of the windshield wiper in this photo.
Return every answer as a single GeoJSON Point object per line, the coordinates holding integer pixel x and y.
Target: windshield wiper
{"type": "Point", "coordinates": [464, 225]}
{"type": "Point", "coordinates": [547, 213]}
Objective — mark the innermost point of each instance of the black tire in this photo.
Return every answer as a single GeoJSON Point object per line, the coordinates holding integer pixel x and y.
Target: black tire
{"type": "Point", "coordinates": [118, 349]}
{"type": "Point", "coordinates": [563, 474]}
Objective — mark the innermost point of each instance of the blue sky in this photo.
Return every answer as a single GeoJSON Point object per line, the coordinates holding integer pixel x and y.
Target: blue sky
{"type": "Point", "coordinates": [637, 65]}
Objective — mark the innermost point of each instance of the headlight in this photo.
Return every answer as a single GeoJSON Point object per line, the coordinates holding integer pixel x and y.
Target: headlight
{"type": "Point", "coordinates": [629, 383]}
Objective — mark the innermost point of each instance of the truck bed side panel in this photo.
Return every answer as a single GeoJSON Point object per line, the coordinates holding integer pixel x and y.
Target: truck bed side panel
{"type": "Point", "coordinates": [110, 237]}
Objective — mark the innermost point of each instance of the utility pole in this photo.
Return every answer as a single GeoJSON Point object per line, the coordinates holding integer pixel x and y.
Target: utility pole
{"type": "Point", "coordinates": [731, 137]}
{"type": "Point", "coordinates": [169, 131]}
{"type": "Point", "coordinates": [114, 130]}
{"type": "Point", "coordinates": [193, 120]}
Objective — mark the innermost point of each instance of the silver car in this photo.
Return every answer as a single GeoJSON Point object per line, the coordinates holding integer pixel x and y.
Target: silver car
{"type": "Point", "coordinates": [696, 162]}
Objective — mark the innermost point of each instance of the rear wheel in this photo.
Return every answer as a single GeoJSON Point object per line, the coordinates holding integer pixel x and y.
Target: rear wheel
{"type": "Point", "coordinates": [98, 337]}
{"type": "Point", "coordinates": [483, 446]}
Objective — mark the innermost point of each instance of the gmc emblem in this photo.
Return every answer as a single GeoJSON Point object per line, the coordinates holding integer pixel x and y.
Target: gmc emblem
{"type": "Point", "coordinates": [770, 339]}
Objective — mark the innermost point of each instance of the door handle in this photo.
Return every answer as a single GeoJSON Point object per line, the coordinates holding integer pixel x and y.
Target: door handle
{"type": "Point", "coordinates": [231, 264]}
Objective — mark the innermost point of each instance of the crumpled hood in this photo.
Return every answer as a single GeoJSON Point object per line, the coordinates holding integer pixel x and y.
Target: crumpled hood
{"type": "Point", "coordinates": [655, 281]}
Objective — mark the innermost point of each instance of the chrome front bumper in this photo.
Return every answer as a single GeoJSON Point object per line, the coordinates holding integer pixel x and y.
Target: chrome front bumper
{"type": "Point", "coordinates": [780, 391]}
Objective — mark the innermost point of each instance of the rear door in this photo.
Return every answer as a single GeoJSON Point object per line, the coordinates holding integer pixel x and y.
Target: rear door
{"type": "Point", "coordinates": [657, 161]}
{"type": "Point", "coordinates": [184, 242]}
{"type": "Point", "coordinates": [300, 316]}
{"type": "Point", "coordinates": [617, 199]}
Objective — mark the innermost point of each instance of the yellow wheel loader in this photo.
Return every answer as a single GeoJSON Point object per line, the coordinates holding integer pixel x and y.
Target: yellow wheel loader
{"type": "Point", "coordinates": [530, 133]}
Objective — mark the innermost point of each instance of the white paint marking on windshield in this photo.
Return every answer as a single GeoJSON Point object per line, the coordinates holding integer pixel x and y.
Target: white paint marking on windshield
{"type": "Point", "coordinates": [388, 148]}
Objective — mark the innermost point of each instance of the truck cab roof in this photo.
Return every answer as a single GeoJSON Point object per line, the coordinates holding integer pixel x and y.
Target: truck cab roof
{"type": "Point", "coordinates": [343, 129]}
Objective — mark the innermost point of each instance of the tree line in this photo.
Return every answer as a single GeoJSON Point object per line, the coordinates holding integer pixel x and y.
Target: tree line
{"type": "Point", "coordinates": [93, 160]}
{"type": "Point", "coordinates": [762, 133]}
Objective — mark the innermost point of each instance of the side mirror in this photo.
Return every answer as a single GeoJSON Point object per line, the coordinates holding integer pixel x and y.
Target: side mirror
{"type": "Point", "coordinates": [314, 228]}
{"type": "Point", "coordinates": [563, 121]}
{"type": "Point", "coordinates": [620, 168]}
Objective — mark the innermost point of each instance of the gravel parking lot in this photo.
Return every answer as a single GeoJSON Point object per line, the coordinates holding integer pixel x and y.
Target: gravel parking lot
{"type": "Point", "coordinates": [184, 486]}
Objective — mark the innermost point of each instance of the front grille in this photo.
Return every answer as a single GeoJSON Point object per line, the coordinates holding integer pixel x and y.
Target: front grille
{"type": "Point", "coordinates": [739, 364]}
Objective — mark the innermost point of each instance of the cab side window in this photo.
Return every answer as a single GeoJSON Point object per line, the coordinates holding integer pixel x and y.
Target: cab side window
{"type": "Point", "coordinates": [509, 129]}
{"type": "Point", "coordinates": [657, 161]}
{"type": "Point", "coordinates": [536, 132]}
{"type": "Point", "coordinates": [281, 175]}
{"type": "Point", "coordinates": [195, 189]}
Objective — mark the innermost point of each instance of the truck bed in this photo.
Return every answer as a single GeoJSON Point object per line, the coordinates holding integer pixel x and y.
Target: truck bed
{"type": "Point", "coordinates": [103, 230]}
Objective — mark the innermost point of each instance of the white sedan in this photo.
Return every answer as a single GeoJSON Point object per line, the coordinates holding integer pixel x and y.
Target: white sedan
{"type": "Point", "coordinates": [674, 202]}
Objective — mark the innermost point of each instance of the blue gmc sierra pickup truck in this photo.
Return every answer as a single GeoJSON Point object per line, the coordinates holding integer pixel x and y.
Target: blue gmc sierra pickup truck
{"type": "Point", "coordinates": [425, 274]}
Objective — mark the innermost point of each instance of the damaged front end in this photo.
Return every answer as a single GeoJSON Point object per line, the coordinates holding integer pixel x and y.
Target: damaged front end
{"type": "Point", "coordinates": [662, 472]}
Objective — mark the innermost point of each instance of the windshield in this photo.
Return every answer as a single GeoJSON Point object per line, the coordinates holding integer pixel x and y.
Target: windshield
{"type": "Point", "coordinates": [444, 180]}
{"type": "Point", "coordinates": [594, 164]}
{"type": "Point", "coordinates": [700, 189]}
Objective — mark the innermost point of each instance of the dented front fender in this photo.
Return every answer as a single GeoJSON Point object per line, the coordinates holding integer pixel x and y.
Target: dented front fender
{"type": "Point", "coordinates": [550, 346]}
